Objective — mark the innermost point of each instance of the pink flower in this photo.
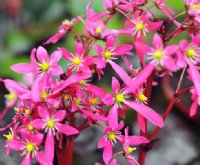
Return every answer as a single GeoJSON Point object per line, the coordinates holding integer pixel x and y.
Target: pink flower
{"type": "Point", "coordinates": [129, 141]}
{"type": "Point", "coordinates": [29, 144]}
{"type": "Point", "coordinates": [45, 65]}
{"type": "Point", "coordinates": [78, 61]}
{"type": "Point", "coordinates": [189, 52]}
{"type": "Point", "coordinates": [158, 55]}
{"type": "Point", "coordinates": [64, 28]}
{"type": "Point", "coordinates": [110, 51]}
{"type": "Point", "coordinates": [140, 24]}
{"type": "Point", "coordinates": [52, 124]}
{"type": "Point", "coordinates": [107, 141]}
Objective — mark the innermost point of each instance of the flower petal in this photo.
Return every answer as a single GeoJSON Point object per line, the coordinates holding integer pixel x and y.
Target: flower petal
{"type": "Point", "coordinates": [42, 54]}
{"type": "Point", "coordinates": [66, 129]}
{"type": "Point", "coordinates": [22, 68]}
{"type": "Point", "coordinates": [147, 112]}
{"type": "Point", "coordinates": [60, 115]}
{"type": "Point", "coordinates": [49, 146]}
{"type": "Point", "coordinates": [113, 116]}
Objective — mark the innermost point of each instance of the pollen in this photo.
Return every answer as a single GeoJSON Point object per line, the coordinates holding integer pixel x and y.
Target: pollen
{"type": "Point", "coordinates": [11, 96]}
{"type": "Point", "coordinates": [190, 53]}
{"type": "Point", "coordinates": [76, 61]}
{"type": "Point", "coordinates": [93, 101]}
{"type": "Point", "coordinates": [119, 98]}
{"type": "Point", "coordinates": [196, 7]}
{"type": "Point", "coordinates": [141, 97]}
{"type": "Point", "coordinates": [9, 137]}
{"type": "Point", "coordinates": [27, 111]}
{"type": "Point", "coordinates": [43, 95]}
{"type": "Point", "coordinates": [44, 66]}
{"type": "Point", "coordinates": [139, 26]}
{"type": "Point", "coordinates": [112, 136]}
{"type": "Point", "coordinates": [82, 82]}
{"type": "Point", "coordinates": [66, 22]}
{"type": "Point", "coordinates": [99, 30]}
{"type": "Point", "coordinates": [77, 101]}
{"type": "Point", "coordinates": [158, 54]}
{"type": "Point", "coordinates": [30, 147]}
{"type": "Point", "coordinates": [107, 54]}
{"type": "Point", "coordinates": [130, 150]}
{"type": "Point", "coordinates": [30, 127]}
{"type": "Point", "coordinates": [50, 123]}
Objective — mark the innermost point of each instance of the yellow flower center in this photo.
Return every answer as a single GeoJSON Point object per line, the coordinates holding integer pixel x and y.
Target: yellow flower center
{"type": "Point", "coordinates": [190, 53]}
{"type": "Point", "coordinates": [77, 101]}
{"type": "Point", "coordinates": [158, 54]}
{"type": "Point", "coordinates": [99, 30]}
{"type": "Point", "coordinates": [107, 54]}
{"type": "Point", "coordinates": [9, 137]}
{"type": "Point", "coordinates": [139, 26]}
{"type": "Point", "coordinates": [43, 95]}
{"type": "Point", "coordinates": [44, 66]}
{"type": "Point", "coordinates": [141, 97]}
{"type": "Point", "coordinates": [50, 123]}
{"type": "Point", "coordinates": [111, 136]}
{"type": "Point", "coordinates": [82, 82]}
{"type": "Point", "coordinates": [11, 96]}
{"type": "Point", "coordinates": [196, 7]}
{"type": "Point", "coordinates": [30, 147]}
{"type": "Point", "coordinates": [93, 101]}
{"type": "Point", "coordinates": [27, 111]}
{"type": "Point", "coordinates": [130, 150]}
{"type": "Point", "coordinates": [30, 127]}
{"type": "Point", "coordinates": [76, 61]}
{"type": "Point", "coordinates": [119, 98]}
{"type": "Point", "coordinates": [67, 22]}
{"type": "Point", "coordinates": [66, 97]}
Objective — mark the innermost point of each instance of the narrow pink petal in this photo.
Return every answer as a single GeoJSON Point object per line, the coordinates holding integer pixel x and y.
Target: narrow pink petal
{"type": "Point", "coordinates": [141, 122]}
{"type": "Point", "coordinates": [37, 139]}
{"type": "Point", "coordinates": [137, 140]}
{"type": "Point", "coordinates": [66, 129]}
{"type": "Point", "coordinates": [171, 49]}
{"type": "Point", "coordinates": [141, 50]}
{"type": "Point", "coordinates": [98, 49]}
{"type": "Point", "coordinates": [42, 159]}
{"type": "Point", "coordinates": [110, 41]}
{"type": "Point", "coordinates": [79, 48]}
{"type": "Point", "coordinates": [121, 73]}
{"type": "Point", "coordinates": [71, 80]}
{"type": "Point", "coordinates": [60, 115]}
{"type": "Point", "coordinates": [26, 160]}
{"type": "Point", "coordinates": [154, 26]}
{"type": "Point", "coordinates": [147, 112]}
{"type": "Point", "coordinates": [42, 54]}
{"type": "Point", "coordinates": [43, 112]}
{"type": "Point", "coordinates": [108, 99]}
{"type": "Point", "coordinates": [66, 54]}
{"type": "Point", "coordinates": [193, 108]}
{"type": "Point", "coordinates": [38, 124]}
{"type": "Point", "coordinates": [195, 77]}
{"type": "Point", "coordinates": [22, 68]}
{"type": "Point", "coordinates": [36, 90]}
{"type": "Point", "coordinates": [157, 42]}
{"type": "Point", "coordinates": [54, 39]}
{"type": "Point", "coordinates": [95, 90]}
{"type": "Point", "coordinates": [141, 77]}
{"type": "Point", "coordinates": [49, 146]}
{"type": "Point", "coordinates": [56, 70]}
{"type": "Point", "coordinates": [113, 116]}
{"type": "Point", "coordinates": [101, 63]}
{"type": "Point", "coordinates": [102, 142]}
{"type": "Point", "coordinates": [107, 152]}
{"type": "Point", "coordinates": [115, 85]}
{"type": "Point", "coordinates": [55, 57]}
{"type": "Point", "coordinates": [16, 145]}
{"type": "Point", "coordinates": [122, 49]}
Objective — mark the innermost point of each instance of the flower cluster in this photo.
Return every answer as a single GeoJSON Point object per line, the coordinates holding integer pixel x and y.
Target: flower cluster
{"type": "Point", "coordinates": [50, 100]}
